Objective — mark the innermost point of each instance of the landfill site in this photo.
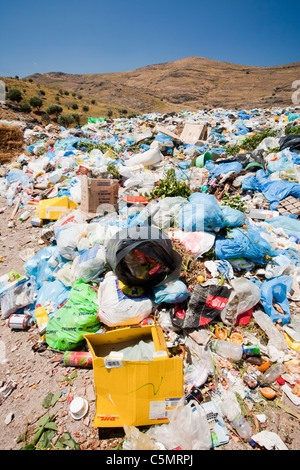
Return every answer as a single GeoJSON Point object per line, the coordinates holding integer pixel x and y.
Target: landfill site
{"type": "Point", "coordinates": [150, 282]}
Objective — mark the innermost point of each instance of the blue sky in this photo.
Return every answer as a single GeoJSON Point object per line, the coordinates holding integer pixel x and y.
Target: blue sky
{"type": "Point", "coordinates": [96, 36]}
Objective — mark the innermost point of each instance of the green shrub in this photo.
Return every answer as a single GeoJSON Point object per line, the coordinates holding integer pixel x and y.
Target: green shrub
{"type": "Point", "coordinates": [25, 107]}
{"type": "Point", "coordinates": [65, 120]}
{"type": "Point", "coordinates": [14, 95]}
{"type": "Point", "coordinates": [54, 109]}
{"type": "Point", "coordinates": [36, 102]}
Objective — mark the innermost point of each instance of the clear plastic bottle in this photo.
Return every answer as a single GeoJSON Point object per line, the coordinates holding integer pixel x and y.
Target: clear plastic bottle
{"type": "Point", "coordinates": [273, 373]}
{"type": "Point", "coordinates": [231, 409]}
{"type": "Point", "coordinates": [267, 325]}
{"type": "Point", "coordinates": [234, 351]}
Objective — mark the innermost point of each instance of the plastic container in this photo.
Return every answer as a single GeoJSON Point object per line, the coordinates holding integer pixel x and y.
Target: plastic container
{"type": "Point", "coordinates": [233, 351]}
{"type": "Point", "coordinates": [41, 317]}
{"type": "Point", "coordinates": [273, 373]}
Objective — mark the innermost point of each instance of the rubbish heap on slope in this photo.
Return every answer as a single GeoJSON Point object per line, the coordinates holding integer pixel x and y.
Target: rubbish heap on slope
{"type": "Point", "coordinates": [183, 223]}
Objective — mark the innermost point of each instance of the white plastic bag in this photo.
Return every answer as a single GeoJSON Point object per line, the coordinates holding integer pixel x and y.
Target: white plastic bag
{"type": "Point", "coordinates": [197, 242]}
{"type": "Point", "coordinates": [188, 428]}
{"type": "Point", "coordinates": [89, 265]}
{"type": "Point", "coordinates": [67, 239]}
{"type": "Point", "coordinates": [245, 295]}
{"type": "Point", "coordinates": [121, 305]}
{"type": "Point", "coordinates": [147, 158]}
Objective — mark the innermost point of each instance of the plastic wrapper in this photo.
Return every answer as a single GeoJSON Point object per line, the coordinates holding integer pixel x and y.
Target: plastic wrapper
{"type": "Point", "coordinates": [19, 297]}
{"type": "Point", "coordinates": [120, 304]}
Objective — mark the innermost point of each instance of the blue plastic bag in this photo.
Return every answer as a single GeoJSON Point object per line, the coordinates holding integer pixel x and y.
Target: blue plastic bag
{"type": "Point", "coordinates": [242, 243]}
{"type": "Point", "coordinates": [290, 225]}
{"type": "Point", "coordinates": [275, 291]}
{"type": "Point", "coordinates": [54, 291]}
{"type": "Point", "coordinates": [233, 217]}
{"type": "Point", "coordinates": [171, 293]}
{"type": "Point", "coordinates": [202, 213]}
{"type": "Point", "coordinates": [41, 268]}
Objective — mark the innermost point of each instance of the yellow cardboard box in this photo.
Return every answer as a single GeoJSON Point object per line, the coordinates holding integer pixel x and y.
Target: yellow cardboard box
{"type": "Point", "coordinates": [135, 393]}
{"type": "Point", "coordinates": [51, 209]}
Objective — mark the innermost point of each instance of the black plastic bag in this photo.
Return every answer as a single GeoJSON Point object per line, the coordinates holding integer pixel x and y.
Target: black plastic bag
{"type": "Point", "coordinates": [153, 243]}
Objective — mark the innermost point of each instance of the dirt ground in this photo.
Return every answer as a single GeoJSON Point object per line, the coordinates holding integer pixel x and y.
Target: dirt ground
{"type": "Point", "coordinates": [37, 373]}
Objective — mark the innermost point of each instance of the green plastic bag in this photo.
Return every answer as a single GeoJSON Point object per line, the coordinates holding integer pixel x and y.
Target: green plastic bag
{"type": "Point", "coordinates": [66, 329]}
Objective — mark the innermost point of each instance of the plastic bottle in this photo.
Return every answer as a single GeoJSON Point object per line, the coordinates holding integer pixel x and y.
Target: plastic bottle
{"type": "Point", "coordinates": [24, 216]}
{"type": "Point", "coordinates": [41, 317]}
{"type": "Point", "coordinates": [273, 373]}
{"type": "Point", "coordinates": [267, 325]}
{"type": "Point", "coordinates": [231, 409]}
{"type": "Point", "coordinates": [232, 350]}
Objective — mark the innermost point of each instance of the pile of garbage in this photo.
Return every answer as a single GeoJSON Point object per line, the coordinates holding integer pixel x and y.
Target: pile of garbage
{"type": "Point", "coordinates": [170, 264]}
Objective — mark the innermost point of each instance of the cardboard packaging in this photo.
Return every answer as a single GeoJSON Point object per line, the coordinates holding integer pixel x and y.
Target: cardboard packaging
{"type": "Point", "coordinates": [135, 393]}
{"type": "Point", "coordinates": [98, 191]}
{"type": "Point", "coordinates": [192, 133]}
{"type": "Point", "coordinates": [52, 209]}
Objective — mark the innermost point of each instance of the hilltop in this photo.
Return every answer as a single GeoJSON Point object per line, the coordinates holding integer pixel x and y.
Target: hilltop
{"type": "Point", "coordinates": [191, 83]}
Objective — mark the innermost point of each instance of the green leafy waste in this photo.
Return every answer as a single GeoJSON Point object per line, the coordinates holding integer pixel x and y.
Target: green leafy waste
{"type": "Point", "coordinates": [250, 143]}
{"type": "Point", "coordinates": [170, 187]}
{"type": "Point", "coordinates": [45, 431]}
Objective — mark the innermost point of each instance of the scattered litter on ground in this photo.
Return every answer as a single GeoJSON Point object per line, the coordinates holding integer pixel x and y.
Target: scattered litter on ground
{"type": "Point", "coordinates": [154, 294]}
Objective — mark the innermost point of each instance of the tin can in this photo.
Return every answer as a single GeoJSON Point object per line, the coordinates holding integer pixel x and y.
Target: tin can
{"type": "Point", "coordinates": [35, 222]}
{"type": "Point", "coordinates": [19, 322]}
{"type": "Point", "coordinates": [77, 359]}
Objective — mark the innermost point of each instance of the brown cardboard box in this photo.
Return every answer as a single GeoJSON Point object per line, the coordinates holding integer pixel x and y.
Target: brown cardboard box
{"type": "Point", "coordinates": [97, 191]}
{"type": "Point", "coordinates": [193, 132]}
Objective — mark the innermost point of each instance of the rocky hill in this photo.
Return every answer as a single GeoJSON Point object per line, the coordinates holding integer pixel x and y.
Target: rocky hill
{"type": "Point", "coordinates": [190, 83]}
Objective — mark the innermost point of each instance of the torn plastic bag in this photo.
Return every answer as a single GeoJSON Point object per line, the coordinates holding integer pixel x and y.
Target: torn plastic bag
{"type": "Point", "coordinates": [171, 293]}
{"type": "Point", "coordinates": [153, 243]}
{"type": "Point", "coordinates": [119, 304]}
{"type": "Point", "coordinates": [197, 243]}
{"type": "Point", "coordinates": [244, 296]}
{"type": "Point", "coordinates": [53, 293]}
{"type": "Point", "coordinates": [202, 213]}
{"type": "Point", "coordinates": [66, 329]}
{"type": "Point", "coordinates": [205, 305]}
{"type": "Point", "coordinates": [290, 225]}
{"type": "Point", "coordinates": [275, 191]}
{"type": "Point", "coordinates": [43, 265]}
{"type": "Point", "coordinates": [290, 141]}
{"type": "Point", "coordinates": [274, 291]}
{"type": "Point", "coordinates": [243, 243]}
